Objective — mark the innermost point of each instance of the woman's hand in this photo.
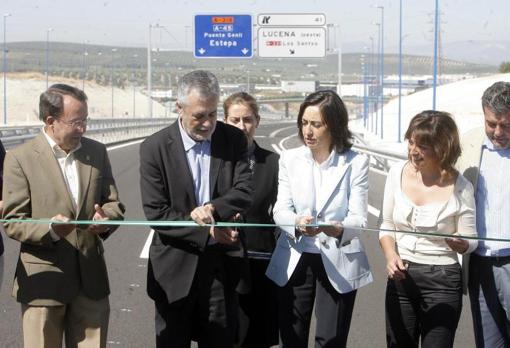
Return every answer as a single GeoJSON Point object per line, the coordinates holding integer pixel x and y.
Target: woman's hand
{"type": "Point", "coordinates": [333, 229]}
{"type": "Point", "coordinates": [458, 245]}
{"type": "Point", "coordinates": [308, 231]}
{"type": "Point", "coordinates": [395, 267]}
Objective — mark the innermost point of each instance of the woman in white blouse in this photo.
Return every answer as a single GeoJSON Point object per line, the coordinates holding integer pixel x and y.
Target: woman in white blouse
{"type": "Point", "coordinates": [426, 194]}
{"type": "Point", "coordinates": [323, 184]}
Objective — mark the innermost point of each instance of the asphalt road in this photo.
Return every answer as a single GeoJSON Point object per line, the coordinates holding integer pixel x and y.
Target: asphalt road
{"type": "Point", "coordinates": [132, 312]}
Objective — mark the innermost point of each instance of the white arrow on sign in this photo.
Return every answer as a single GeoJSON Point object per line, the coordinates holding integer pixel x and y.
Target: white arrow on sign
{"type": "Point", "coordinates": [201, 51]}
{"type": "Point", "coordinates": [245, 50]}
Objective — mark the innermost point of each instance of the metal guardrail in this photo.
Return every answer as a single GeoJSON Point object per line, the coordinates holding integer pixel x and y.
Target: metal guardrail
{"type": "Point", "coordinates": [113, 130]}
{"type": "Point", "coordinates": [381, 159]}
{"type": "Point", "coordinates": [107, 131]}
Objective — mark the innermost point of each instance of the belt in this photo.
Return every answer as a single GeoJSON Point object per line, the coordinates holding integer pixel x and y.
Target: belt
{"type": "Point", "coordinates": [492, 259]}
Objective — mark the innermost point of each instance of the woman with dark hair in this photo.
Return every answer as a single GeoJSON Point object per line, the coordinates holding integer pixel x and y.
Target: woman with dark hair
{"type": "Point", "coordinates": [258, 326]}
{"type": "Point", "coordinates": [321, 205]}
{"type": "Point", "coordinates": [426, 194]}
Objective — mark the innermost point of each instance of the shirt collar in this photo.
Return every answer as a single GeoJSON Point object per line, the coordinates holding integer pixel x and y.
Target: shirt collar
{"type": "Point", "coordinates": [487, 144]}
{"type": "Point", "coordinates": [188, 141]}
{"type": "Point", "coordinates": [57, 149]}
{"type": "Point", "coordinates": [327, 163]}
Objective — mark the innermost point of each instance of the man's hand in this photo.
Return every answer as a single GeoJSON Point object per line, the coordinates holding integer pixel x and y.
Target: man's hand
{"type": "Point", "coordinates": [224, 235]}
{"type": "Point", "coordinates": [62, 230]}
{"type": "Point", "coordinates": [203, 215]}
{"type": "Point", "coordinates": [99, 215]}
{"type": "Point", "coordinates": [308, 231]}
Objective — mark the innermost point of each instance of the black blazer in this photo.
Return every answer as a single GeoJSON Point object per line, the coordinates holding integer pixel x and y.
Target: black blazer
{"type": "Point", "coordinates": [167, 194]}
{"type": "Point", "coordinates": [265, 189]}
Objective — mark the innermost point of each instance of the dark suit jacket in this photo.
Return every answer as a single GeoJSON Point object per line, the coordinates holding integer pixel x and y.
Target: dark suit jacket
{"type": "Point", "coordinates": [53, 273]}
{"type": "Point", "coordinates": [167, 194]}
{"type": "Point", "coordinates": [265, 188]}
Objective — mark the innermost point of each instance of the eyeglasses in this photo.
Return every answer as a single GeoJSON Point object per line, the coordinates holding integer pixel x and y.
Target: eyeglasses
{"type": "Point", "coordinates": [76, 123]}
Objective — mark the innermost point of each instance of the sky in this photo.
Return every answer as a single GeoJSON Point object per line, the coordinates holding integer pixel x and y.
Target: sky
{"type": "Point", "coordinates": [126, 22]}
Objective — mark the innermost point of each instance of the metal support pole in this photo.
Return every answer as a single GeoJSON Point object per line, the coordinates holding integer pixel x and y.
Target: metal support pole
{"type": "Point", "coordinates": [47, 54]}
{"type": "Point", "coordinates": [436, 44]}
{"type": "Point", "coordinates": [111, 80]}
{"type": "Point", "coordinates": [400, 75]}
{"type": "Point", "coordinates": [149, 75]}
{"type": "Point", "coordinates": [5, 67]}
{"type": "Point", "coordinates": [382, 71]}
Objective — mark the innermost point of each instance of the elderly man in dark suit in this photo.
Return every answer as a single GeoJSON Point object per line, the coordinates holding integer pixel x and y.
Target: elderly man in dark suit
{"type": "Point", "coordinates": [61, 279]}
{"type": "Point", "coordinates": [195, 169]}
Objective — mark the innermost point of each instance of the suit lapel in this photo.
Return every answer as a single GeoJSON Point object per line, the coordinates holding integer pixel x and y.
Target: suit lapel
{"type": "Point", "coordinates": [50, 166]}
{"type": "Point", "coordinates": [84, 167]}
{"type": "Point", "coordinates": [179, 162]}
{"type": "Point", "coordinates": [217, 145]}
{"type": "Point", "coordinates": [332, 178]}
{"type": "Point", "coordinates": [259, 170]}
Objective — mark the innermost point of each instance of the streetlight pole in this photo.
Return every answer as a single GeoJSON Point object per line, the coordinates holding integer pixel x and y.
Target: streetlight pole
{"type": "Point", "coordinates": [382, 70]}
{"type": "Point", "coordinates": [111, 79]}
{"type": "Point", "coordinates": [400, 73]}
{"type": "Point", "coordinates": [149, 70]}
{"type": "Point", "coordinates": [436, 44]}
{"type": "Point", "coordinates": [5, 68]}
{"type": "Point", "coordinates": [365, 94]}
{"type": "Point", "coordinates": [47, 53]}
{"type": "Point", "coordinates": [135, 56]}
{"type": "Point", "coordinates": [379, 86]}
{"type": "Point", "coordinates": [85, 54]}
{"type": "Point", "coordinates": [371, 87]}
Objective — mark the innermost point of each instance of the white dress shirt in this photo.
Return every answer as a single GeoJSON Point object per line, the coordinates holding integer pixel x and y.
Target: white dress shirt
{"type": "Point", "coordinates": [493, 200]}
{"type": "Point", "coordinates": [198, 154]}
{"type": "Point", "coordinates": [69, 169]}
{"type": "Point", "coordinates": [319, 197]}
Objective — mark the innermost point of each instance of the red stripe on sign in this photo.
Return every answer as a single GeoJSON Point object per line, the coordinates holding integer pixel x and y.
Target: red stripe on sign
{"type": "Point", "coordinates": [227, 20]}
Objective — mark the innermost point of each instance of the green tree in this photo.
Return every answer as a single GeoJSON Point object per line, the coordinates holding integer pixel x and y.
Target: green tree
{"type": "Point", "coordinates": [504, 67]}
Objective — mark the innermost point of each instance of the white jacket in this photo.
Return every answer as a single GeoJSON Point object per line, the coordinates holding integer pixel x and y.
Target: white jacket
{"type": "Point", "coordinates": [347, 190]}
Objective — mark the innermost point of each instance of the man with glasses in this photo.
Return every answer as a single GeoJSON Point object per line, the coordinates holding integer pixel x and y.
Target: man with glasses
{"type": "Point", "coordinates": [61, 279]}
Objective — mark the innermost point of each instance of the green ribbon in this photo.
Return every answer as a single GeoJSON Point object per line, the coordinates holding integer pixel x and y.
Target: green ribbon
{"type": "Point", "coordinates": [236, 224]}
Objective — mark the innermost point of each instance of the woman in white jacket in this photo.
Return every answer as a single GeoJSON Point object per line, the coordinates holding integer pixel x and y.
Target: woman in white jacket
{"type": "Point", "coordinates": [321, 204]}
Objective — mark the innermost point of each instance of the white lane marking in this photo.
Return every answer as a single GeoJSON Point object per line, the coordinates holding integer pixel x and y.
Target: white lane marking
{"type": "Point", "coordinates": [277, 149]}
{"type": "Point", "coordinates": [373, 211]}
{"type": "Point", "coordinates": [280, 144]}
{"type": "Point", "coordinates": [273, 134]}
{"type": "Point", "coordinates": [109, 148]}
{"type": "Point", "coordinates": [145, 251]}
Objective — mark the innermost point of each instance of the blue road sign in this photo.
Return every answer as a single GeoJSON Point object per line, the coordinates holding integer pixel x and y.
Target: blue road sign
{"type": "Point", "coordinates": [223, 36]}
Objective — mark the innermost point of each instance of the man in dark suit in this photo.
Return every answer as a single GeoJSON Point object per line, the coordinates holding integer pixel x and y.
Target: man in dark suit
{"type": "Point", "coordinates": [61, 279]}
{"type": "Point", "coordinates": [196, 169]}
